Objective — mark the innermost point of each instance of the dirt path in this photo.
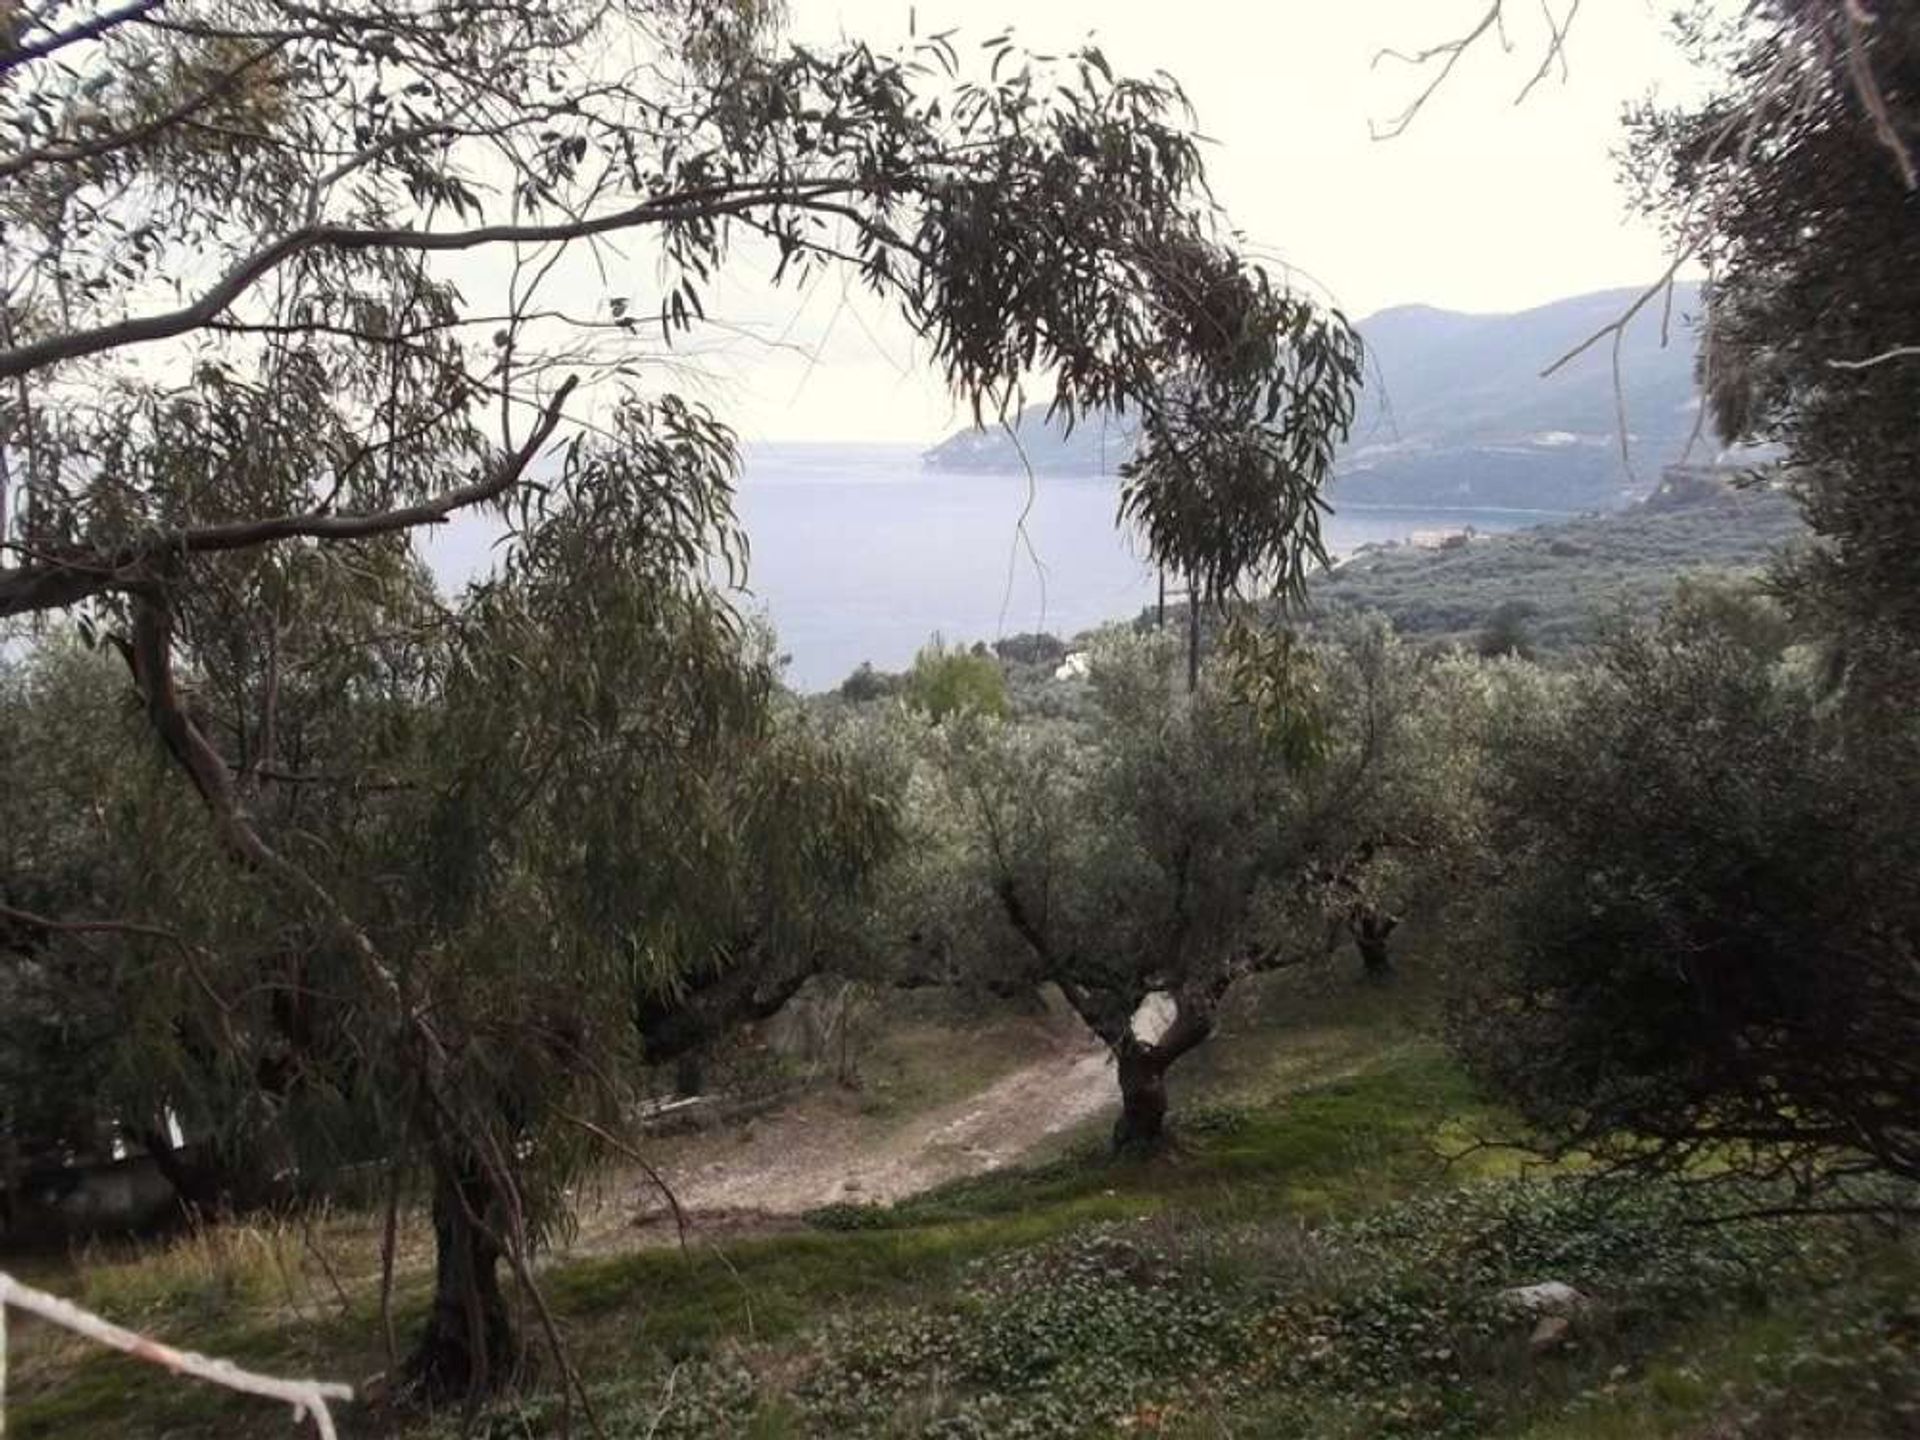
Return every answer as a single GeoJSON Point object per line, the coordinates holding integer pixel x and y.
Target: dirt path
{"type": "Point", "coordinates": [816, 1151]}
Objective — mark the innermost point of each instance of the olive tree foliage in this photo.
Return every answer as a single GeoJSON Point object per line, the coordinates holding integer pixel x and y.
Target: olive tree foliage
{"type": "Point", "coordinates": [284, 282]}
{"type": "Point", "coordinates": [1172, 844]}
{"type": "Point", "coordinates": [1697, 942]}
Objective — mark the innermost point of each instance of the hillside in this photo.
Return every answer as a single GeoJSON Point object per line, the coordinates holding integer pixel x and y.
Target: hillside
{"type": "Point", "coordinates": [1564, 579]}
{"type": "Point", "coordinates": [1559, 583]}
{"type": "Point", "coordinates": [1455, 412]}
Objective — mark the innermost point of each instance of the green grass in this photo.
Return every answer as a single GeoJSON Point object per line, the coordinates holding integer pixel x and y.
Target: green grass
{"type": "Point", "coordinates": [1346, 1144]}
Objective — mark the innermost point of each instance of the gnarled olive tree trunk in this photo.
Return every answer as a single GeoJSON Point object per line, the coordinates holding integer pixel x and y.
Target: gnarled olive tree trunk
{"type": "Point", "coordinates": [1142, 1125]}
{"type": "Point", "coordinates": [1141, 1066]}
{"type": "Point", "coordinates": [1371, 931]}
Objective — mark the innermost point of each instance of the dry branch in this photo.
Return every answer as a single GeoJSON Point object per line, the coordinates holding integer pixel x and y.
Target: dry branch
{"type": "Point", "coordinates": [307, 1397]}
{"type": "Point", "coordinates": [1885, 357]}
{"type": "Point", "coordinates": [1441, 59]}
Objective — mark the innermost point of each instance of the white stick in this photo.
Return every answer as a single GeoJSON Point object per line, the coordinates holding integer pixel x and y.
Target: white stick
{"type": "Point", "coordinates": [307, 1397]}
{"type": "Point", "coordinates": [1899, 352]}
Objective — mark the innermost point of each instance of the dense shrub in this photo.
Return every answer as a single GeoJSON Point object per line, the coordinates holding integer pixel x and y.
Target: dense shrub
{"type": "Point", "coordinates": [867, 683]}
{"type": "Point", "coordinates": [1034, 649]}
{"type": "Point", "coordinates": [1701, 913]}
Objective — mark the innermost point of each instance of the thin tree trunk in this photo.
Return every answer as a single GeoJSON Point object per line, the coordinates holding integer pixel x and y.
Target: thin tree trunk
{"type": "Point", "coordinates": [196, 1189]}
{"type": "Point", "coordinates": [1193, 635]}
{"type": "Point", "coordinates": [689, 1075]}
{"type": "Point", "coordinates": [467, 1346]}
{"type": "Point", "coordinates": [237, 1178]}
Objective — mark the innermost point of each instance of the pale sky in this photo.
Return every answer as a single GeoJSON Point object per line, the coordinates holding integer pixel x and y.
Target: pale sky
{"type": "Point", "coordinates": [1479, 206]}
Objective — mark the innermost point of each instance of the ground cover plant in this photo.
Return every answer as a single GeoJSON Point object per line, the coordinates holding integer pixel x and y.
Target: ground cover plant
{"type": "Point", "coordinates": [1310, 1264]}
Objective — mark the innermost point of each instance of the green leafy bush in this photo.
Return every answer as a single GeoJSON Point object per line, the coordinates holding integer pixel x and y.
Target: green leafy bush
{"type": "Point", "coordinates": [946, 681]}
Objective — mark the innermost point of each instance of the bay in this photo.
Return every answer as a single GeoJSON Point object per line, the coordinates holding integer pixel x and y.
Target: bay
{"type": "Point", "coordinates": [862, 553]}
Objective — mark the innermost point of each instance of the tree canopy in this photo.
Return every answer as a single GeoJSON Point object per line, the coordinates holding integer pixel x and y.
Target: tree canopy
{"type": "Point", "coordinates": [1174, 845]}
{"type": "Point", "coordinates": [1795, 183]}
{"type": "Point", "coordinates": [1702, 909]}
{"type": "Point", "coordinates": [1701, 951]}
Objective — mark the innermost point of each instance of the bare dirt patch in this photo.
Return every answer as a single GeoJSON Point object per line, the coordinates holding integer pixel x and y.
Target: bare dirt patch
{"type": "Point", "coordinates": [828, 1146]}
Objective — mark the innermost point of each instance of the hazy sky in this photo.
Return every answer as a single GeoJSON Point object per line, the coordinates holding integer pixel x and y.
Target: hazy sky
{"type": "Point", "coordinates": [1479, 206]}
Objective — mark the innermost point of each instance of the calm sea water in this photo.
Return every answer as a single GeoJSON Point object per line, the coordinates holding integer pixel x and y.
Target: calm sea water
{"type": "Point", "coordinates": [860, 553]}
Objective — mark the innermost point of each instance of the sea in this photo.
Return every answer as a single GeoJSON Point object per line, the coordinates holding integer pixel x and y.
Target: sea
{"type": "Point", "coordinates": [860, 553]}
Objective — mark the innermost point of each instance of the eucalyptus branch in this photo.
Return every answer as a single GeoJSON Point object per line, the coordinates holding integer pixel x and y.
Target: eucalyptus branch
{"type": "Point", "coordinates": [99, 25]}
{"type": "Point", "coordinates": [1447, 54]}
{"type": "Point", "coordinates": [190, 955]}
{"type": "Point", "coordinates": [70, 152]}
{"type": "Point", "coordinates": [699, 204]}
{"type": "Point", "coordinates": [51, 926]}
{"type": "Point", "coordinates": [65, 579]}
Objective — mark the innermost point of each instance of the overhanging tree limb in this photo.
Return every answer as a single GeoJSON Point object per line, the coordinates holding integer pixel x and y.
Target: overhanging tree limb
{"type": "Point", "coordinates": [55, 582]}
{"type": "Point", "coordinates": [89, 29]}
{"type": "Point", "coordinates": [710, 203]}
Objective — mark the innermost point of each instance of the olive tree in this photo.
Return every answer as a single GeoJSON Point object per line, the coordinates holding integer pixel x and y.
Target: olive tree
{"type": "Point", "coordinates": [285, 282]}
{"type": "Point", "coordinates": [1176, 843]}
{"type": "Point", "coordinates": [1795, 181]}
{"type": "Point", "coordinates": [1698, 932]}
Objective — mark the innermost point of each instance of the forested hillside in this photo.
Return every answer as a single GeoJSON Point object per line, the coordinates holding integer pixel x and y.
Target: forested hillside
{"type": "Point", "coordinates": [1559, 584]}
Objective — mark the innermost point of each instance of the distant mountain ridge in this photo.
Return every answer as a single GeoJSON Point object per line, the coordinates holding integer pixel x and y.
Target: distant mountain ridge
{"type": "Point", "coordinates": [1455, 411]}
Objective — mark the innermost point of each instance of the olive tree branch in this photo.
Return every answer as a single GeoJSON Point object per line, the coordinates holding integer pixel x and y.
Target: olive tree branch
{"type": "Point", "coordinates": [1885, 357]}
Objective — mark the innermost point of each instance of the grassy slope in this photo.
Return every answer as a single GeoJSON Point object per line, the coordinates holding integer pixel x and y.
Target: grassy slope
{"type": "Point", "coordinates": [1310, 1265]}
